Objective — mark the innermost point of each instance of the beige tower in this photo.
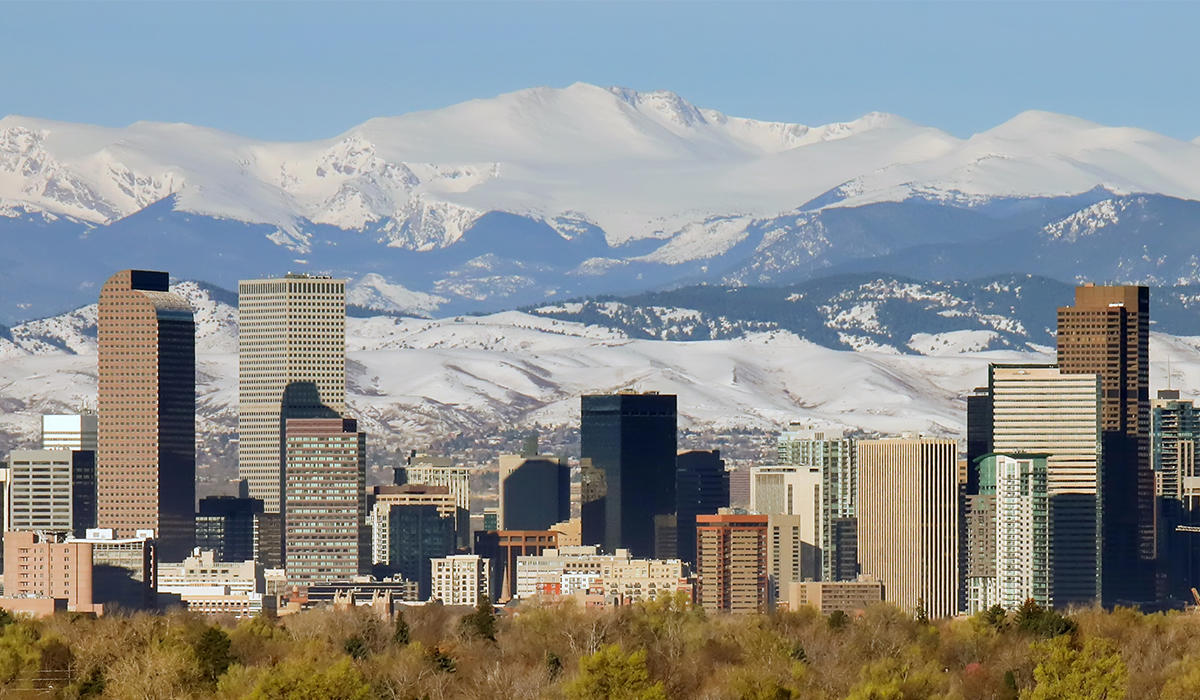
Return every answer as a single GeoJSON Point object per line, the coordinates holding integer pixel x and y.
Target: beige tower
{"type": "Point", "coordinates": [291, 364]}
{"type": "Point", "coordinates": [1040, 409]}
{"type": "Point", "coordinates": [908, 521]}
{"type": "Point", "coordinates": [146, 458]}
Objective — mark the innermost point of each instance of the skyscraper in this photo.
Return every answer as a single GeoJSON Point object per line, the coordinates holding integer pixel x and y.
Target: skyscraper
{"type": "Point", "coordinates": [1107, 333]}
{"type": "Point", "coordinates": [325, 511]}
{"type": "Point", "coordinates": [833, 454]}
{"type": "Point", "coordinates": [146, 457]}
{"type": "Point", "coordinates": [1038, 409]}
{"type": "Point", "coordinates": [701, 488]}
{"type": "Point", "coordinates": [291, 364]}
{"type": "Point", "coordinates": [1008, 537]}
{"type": "Point", "coordinates": [631, 438]}
{"type": "Point", "coordinates": [1176, 427]}
{"type": "Point", "coordinates": [442, 471]}
{"type": "Point", "coordinates": [908, 521]}
{"type": "Point", "coordinates": [226, 525]}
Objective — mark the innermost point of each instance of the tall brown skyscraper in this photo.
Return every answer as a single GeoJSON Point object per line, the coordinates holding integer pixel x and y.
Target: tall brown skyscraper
{"type": "Point", "coordinates": [146, 461]}
{"type": "Point", "coordinates": [1107, 333]}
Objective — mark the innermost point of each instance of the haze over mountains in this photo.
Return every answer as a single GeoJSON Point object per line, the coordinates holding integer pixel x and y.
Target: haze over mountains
{"type": "Point", "coordinates": [547, 194]}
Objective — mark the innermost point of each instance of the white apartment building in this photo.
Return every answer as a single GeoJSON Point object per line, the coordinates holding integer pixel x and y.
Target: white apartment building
{"type": "Point", "coordinates": [834, 454]}
{"type": "Point", "coordinates": [291, 337]}
{"type": "Point", "coordinates": [576, 569]}
{"type": "Point", "coordinates": [70, 432]}
{"type": "Point", "coordinates": [460, 579]}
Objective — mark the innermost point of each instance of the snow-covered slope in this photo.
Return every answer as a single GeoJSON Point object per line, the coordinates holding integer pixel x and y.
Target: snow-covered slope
{"type": "Point", "coordinates": [634, 164]}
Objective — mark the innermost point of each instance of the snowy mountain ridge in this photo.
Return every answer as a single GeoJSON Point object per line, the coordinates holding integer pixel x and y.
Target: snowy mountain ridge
{"type": "Point", "coordinates": [636, 165]}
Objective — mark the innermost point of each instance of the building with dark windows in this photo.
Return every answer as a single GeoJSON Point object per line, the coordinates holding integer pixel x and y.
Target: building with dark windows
{"type": "Point", "coordinates": [631, 439]}
{"type": "Point", "coordinates": [417, 534]}
{"type": "Point", "coordinates": [226, 526]}
{"type": "Point", "coordinates": [701, 488]}
{"type": "Point", "coordinates": [535, 492]}
{"type": "Point", "coordinates": [1176, 427]}
{"type": "Point", "coordinates": [325, 508]}
{"type": "Point", "coordinates": [979, 432]}
{"type": "Point", "coordinates": [1107, 333]}
{"type": "Point", "coordinates": [146, 441]}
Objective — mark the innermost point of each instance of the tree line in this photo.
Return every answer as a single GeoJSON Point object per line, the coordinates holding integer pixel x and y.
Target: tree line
{"type": "Point", "coordinates": [665, 649]}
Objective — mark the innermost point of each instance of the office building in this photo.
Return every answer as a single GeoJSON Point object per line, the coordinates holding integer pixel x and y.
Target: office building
{"type": "Point", "coordinates": [666, 536]}
{"type": "Point", "coordinates": [384, 498]}
{"type": "Point", "coordinates": [833, 454]}
{"type": "Point", "coordinates": [363, 591]}
{"type": "Point", "coordinates": [908, 521]}
{"type": "Point", "coordinates": [732, 563]}
{"type": "Point", "coordinates": [1175, 428]}
{"type": "Point", "coordinates": [503, 548]}
{"type": "Point", "coordinates": [291, 364]}
{"type": "Point", "coordinates": [979, 432]}
{"type": "Point", "coordinates": [268, 539]}
{"type": "Point", "coordinates": [441, 471]}
{"type": "Point", "coordinates": [146, 441]}
{"type": "Point", "coordinates": [325, 511]}
{"type": "Point", "coordinates": [460, 579]}
{"type": "Point", "coordinates": [1038, 409]}
{"type": "Point", "coordinates": [51, 490]}
{"type": "Point", "coordinates": [794, 498]}
{"type": "Point", "coordinates": [829, 596]}
{"type": "Point", "coordinates": [124, 569]}
{"type": "Point", "coordinates": [227, 527]}
{"type": "Point", "coordinates": [1107, 334]}
{"type": "Point", "coordinates": [535, 492]}
{"type": "Point", "coordinates": [70, 432]}
{"type": "Point", "coordinates": [412, 525]}
{"type": "Point", "coordinates": [1008, 533]}
{"type": "Point", "coordinates": [631, 439]}
{"type": "Point", "coordinates": [701, 488]}
{"type": "Point", "coordinates": [202, 570]}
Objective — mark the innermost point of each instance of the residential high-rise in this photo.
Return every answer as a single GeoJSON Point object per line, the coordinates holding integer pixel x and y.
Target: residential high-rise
{"type": "Point", "coordinates": [1107, 333]}
{"type": "Point", "coordinates": [1008, 533]}
{"type": "Point", "coordinates": [701, 488]}
{"type": "Point", "coordinates": [52, 491]}
{"type": "Point", "coordinates": [1175, 430]}
{"type": "Point", "coordinates": [146, 442]}
{"type": "Point", "coordinates": [441, 471]}
{"type": "Point", "coordinates": [535, 492]}
{"type": "Point", "coordinates": [833, 454]}
{"type": "Point", "coordinates": [790, 559]}
{"type": "Point", "coordinates": [70, 432]}
{"type": "Point", "coordinates": [631, 438]}
{"type": "Point", "coordinates": [460, 579]}
{"type": "Point", "coordinates": [1038, 409]}
{"type": "Point", "coordinates": [325, 509]}
{"type": "Point", "coordinates": [908, 521]}
{"type": "Point", "coordinates": [291, 364]}
{"type": "Point", "coordinates": [732, 555]}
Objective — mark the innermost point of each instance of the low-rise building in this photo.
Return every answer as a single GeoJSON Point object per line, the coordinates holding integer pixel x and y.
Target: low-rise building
{"type": "Point", "coordinates": [581, 569]}
{"type": "Point", "coordinates": [47, 566]}
{"type": "Point", "coordinates": [828, 596]}
{"type": "Point", "coordinates": [203, 570]}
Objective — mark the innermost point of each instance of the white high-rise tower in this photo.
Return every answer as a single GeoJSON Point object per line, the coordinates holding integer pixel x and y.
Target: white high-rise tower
{"type": "Point", "coordinates": [291, 364]}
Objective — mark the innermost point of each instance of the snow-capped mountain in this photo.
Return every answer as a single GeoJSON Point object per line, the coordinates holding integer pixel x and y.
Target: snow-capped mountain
{"type": "Point", "coordinates": [545, 194]}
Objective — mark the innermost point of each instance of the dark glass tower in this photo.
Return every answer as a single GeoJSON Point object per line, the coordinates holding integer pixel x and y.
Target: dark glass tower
{"type": "Point", "coordinates": [225, 525]}
{"type": "Point", "coordinates": [631, 439]}
{"type": "Point", "coordinates": [979, 433]}
{"type": "Point", "coordinates": [701, 488]}
{"type": "Point", "coordinates": [1107, 332]}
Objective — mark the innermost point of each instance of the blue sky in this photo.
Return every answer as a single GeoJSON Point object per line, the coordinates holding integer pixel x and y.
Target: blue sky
{"type": "Point", "coordinates": [312, 70]}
